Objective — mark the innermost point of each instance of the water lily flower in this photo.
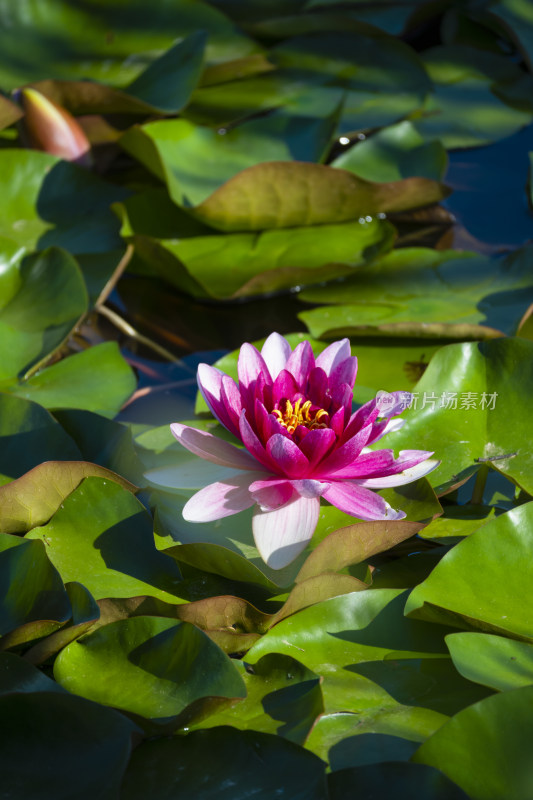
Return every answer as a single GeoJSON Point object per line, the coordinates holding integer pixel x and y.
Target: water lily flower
{"type": "Point", "coordinates": [293, 414]}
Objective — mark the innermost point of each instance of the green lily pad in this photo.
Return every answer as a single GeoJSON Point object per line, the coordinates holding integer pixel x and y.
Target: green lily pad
{"type": "Point", "coordinates": [9, 112]}
{"type": "Point", "coordinates": [220, 561]}
{"type": "Point", "coordinates": [18, 675]}
{"type": "Point", "coordinates": [402, 780]}
{"type": "Point", "coordinates": [85, 613]}
{"type": "Point", "coordinates": [70, 382]}
{"type": "Point", "coordinates": [282, 697]}
{"type": "Point", "coordinates": [37, 208]}
{"type": "Point", "coordinates": [395, 152]}
{"type": "Point", "coordinates": [283, 194]}
{"type": "Point", "coordinates": [33, 498]}
{"type": "Point", "coordinates": [165, 86]}
{"type": "Point", "coordinates": [29, 436]}
{"type": "Point", "coordinates": [485, 748]}
{"type": "Point", "coordinates": [459, 521]}
{"type": "Point", "coordinates": [11, 255]}
{"type": "Point", "coordinates": [37, 320]}
{"type": "Point", "coordinates": [464, 109]}
{"type": "Point", "coordinates": [244, 264]}
{"type": "Point", "coordinates": [56, 746]}
{"type": "Point", "coordinates": [195, 160]}
{"type": "Point", "coordinates": [492, 660]}
{"type": "Point", "coordinates": [383, 77]}
{"type": "Point", "coordinates": [489, 385]}
{"type": "Point", "coordinates": [101, 536]}
{"type": "Point", "coordinates": [103, 441]}
{"type": "Point", "coordinates": [113, 44]}
{"type": "Point", "coordinates": [150, 666]}
{"type": "Point", "coordinates": [516, 18]}
{"type": "Point", "coordinates": [339, 631]}
{"type": "Point", "coordinates": [415, 290]}
{"type": "Point", "coordinates": [31, 587]}
{"type": "Point", "coordinates": [479, 597]}
{"type": "Point", "coordinates": [235, 764]}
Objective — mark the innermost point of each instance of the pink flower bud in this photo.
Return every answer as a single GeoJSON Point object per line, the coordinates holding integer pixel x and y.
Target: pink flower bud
{"type": "Point", "coordinates": [46, 126]}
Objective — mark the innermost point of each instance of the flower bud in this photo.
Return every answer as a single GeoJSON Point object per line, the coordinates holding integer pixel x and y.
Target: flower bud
{"type": "Point", "coordinates": [46, 126]}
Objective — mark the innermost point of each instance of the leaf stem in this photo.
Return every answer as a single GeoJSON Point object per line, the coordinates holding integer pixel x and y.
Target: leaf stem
{"type": "Point", "coordinates": [130, 331]}
{"type": "Point", "coordinates": [115, 277]}
{"type": "Point", "coordinates": [479, 486]}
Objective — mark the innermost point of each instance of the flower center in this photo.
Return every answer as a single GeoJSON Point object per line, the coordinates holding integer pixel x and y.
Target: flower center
{"type": "Point", "coordinates": [302, 413]}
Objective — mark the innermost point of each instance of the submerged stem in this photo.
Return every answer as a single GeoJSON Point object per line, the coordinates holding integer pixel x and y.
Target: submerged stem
{"type": "Point", "coordinates": [130, 331]}
{"type": "Point", "coordinates": [479, 486]}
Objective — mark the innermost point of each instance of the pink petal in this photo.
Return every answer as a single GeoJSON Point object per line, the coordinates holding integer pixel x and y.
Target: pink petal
{"type": "Point", "coordinates": [254, 445]}
{"type": "Point", "coordinates": [284, 386]}
{"type": "Point", "coordinates": [337, 422]}
{"type": "Point", "coordinates": [231, 399]}
{"type": "Point", "coordinates": [281, 535]}
{"type": "Point", "coordinates": [271, 493]}
{"type": "Point", "coordinates": [353, 499]}
{"type": "Point", "coordinates": [366, 415]}
{"type": "Point", "coordinates": [400, 478]}
{"type": "Point", "coordinates": [275, 351]}
{"type": "Point", "coordinates": [309, 487]}
{"type": "Point", "coordinates": [250, 364]}
{"type": "Point", "coordinates": [317, 386]}
{"type": "Point", "coordinates": [221, 499]}
{"type": "Point", "coordinates": [344, 455]}
{"type": "Point", "coordinates": [210, 385]}
{"type": "Point", "coordinates": [366, 465]}
{"type": "Point", "coordinates": [406, 460]}
{"type": "Point", "coordinates": [300, 364]}
{"type": "Point", "coordinates": [317, 444]}
{"type": "Point", "coordinates": [287, 456]}
{"type": "Point", "coordinates": [345, 372]}
{"type": "Point", "coordinates": [212, 448]}
{"type": "Point", "coordinates": [332, 356]}
{"type": "Point", "coordinates": [381, 429]}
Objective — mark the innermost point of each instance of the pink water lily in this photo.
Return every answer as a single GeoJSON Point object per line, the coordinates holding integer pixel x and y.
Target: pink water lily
{"type": "Point", "coordinates": [293, 414]}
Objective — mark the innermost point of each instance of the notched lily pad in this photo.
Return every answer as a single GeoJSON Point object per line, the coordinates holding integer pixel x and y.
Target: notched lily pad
{"type": "Point", "coordinates": [280, 194]}
{"type": "Point", "coordinates": [33, 498]}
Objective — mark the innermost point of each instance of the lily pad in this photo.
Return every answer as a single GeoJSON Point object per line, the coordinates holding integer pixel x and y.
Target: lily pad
{"type": "Point", "coordinates": [113, 44]}
{"type": "Point", "coordinates": [479, 597]}
{"type": "Point", "coordinates": [70, 382]}
{"type": "Point", "coordinates": [492, 660]}
{"type": "Point", "coordinates": [33, 498]}
{"type": "Point", "coordinates": [165, 86]}
{"type": "Point", "coordinates": [415, 290]}
{"type": "Point", "coordinates": [244, 264]}
{"type": "Point", "coordinates": [402, 780]}
{"type": "Point", "coordinates": [489, 387]}
{"type": "Point", "coordinates": [29, 436]}
{"type": "Point", "coordinates": [395, 152]}
{"type": "Point", "coordinates": [31, 587]}
{"type": "Point", "coordinates": [150, 666]}
{"type": "Point", "coordinates": [37, 210]}
{"type": "Point", "coordinates": [383, 77]}
{"type": "Point", "coordinates": [62, 737]}
{"type": "Point", "coordinates": [101, 536]}
{"type": "Point", "coordinates": [40, 316]}
{"type": "Point", "coordinates": [485, 748]}
{"type": "Point", "coordinates": [234, 764]}
{"type": "Point", "coordinates": [280, 194]}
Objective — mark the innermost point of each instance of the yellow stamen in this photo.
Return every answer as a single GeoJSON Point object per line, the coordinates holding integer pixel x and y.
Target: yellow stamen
{"type": "Point", "coordinates": [300, 414]}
